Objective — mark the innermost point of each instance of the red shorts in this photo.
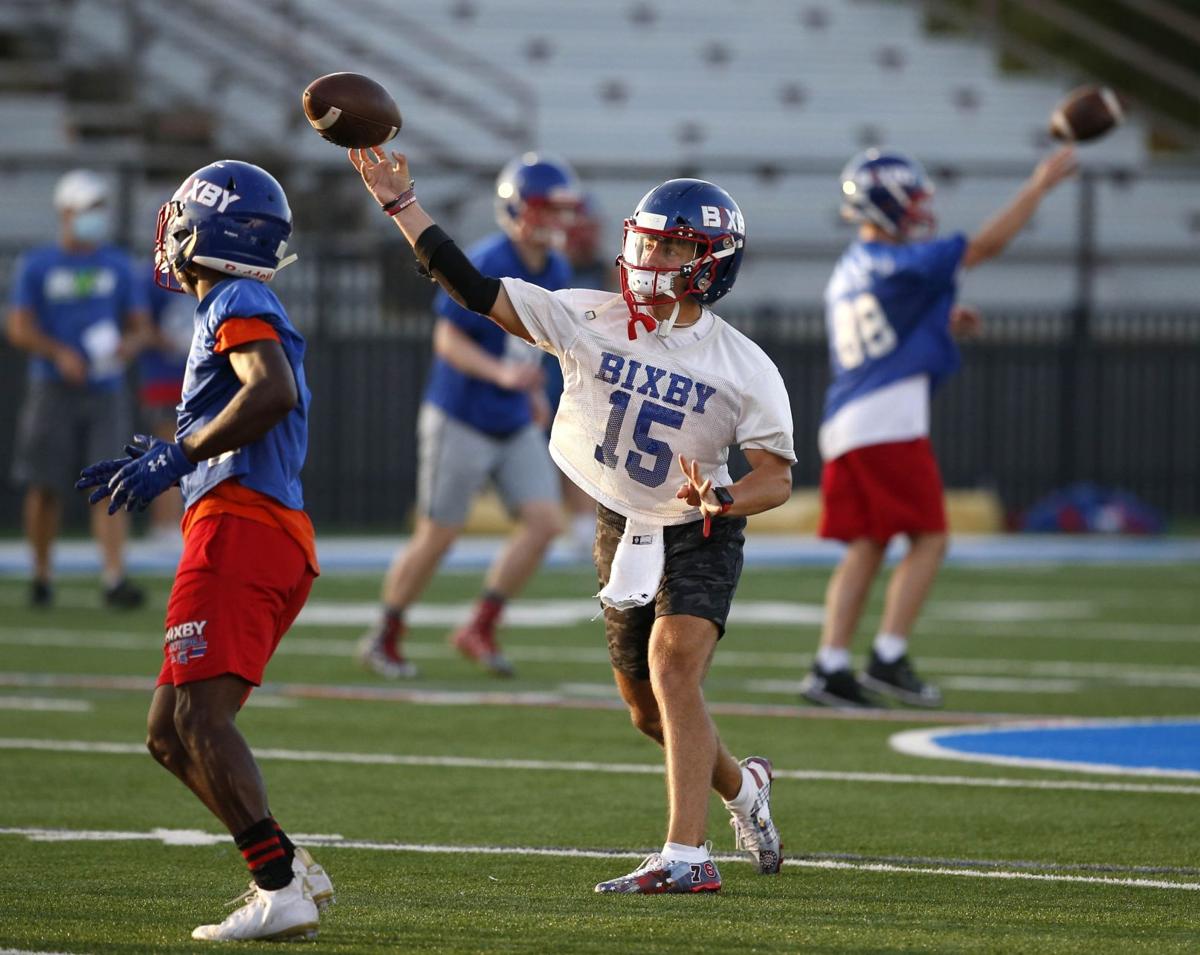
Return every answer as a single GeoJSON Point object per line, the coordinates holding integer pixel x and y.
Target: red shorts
{"type": "Point", "coordinates": [239, 586]}
{"type": "Point", "coordinates": [882, 490]}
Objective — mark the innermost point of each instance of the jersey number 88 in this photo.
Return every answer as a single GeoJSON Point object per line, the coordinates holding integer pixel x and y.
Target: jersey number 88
{"type": "Point", "coordinates": [861, 330]}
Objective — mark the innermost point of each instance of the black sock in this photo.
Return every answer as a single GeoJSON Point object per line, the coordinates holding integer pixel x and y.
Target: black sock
{"type": "Point", "coordinates": [269, 862]}
{"type": "Point", "coordinates": [288, 846]}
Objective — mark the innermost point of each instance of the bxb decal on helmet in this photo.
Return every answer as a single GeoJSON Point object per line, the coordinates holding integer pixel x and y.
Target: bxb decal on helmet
{"type": "Point", "coordinates": [889, 190]}
{"type": "Point", "coordinates": [537, 199]}
{"type": "Point", "coordinates": [231, 217]}
{"type": "Point", "coordinates": [679, 211]}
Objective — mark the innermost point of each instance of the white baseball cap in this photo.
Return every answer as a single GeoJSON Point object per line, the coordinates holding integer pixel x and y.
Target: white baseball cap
{"type": "Point", "coordinates": [80, 189]}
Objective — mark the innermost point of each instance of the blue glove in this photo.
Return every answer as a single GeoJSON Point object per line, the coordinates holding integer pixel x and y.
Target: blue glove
{"type": "Point", "coordinates": [100, 473]}
{"type": "Point", "coordinates": [145, 477]}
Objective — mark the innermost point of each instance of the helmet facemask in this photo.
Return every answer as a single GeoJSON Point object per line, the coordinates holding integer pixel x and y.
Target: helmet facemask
{"type": "Point", "coordinates": [660, 267]}
{"type": "Point", "coordinates": [171, 246]}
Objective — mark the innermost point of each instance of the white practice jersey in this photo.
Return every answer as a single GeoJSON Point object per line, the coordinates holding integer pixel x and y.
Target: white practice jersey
{"type": "Point", "coordinates": [629, 408]}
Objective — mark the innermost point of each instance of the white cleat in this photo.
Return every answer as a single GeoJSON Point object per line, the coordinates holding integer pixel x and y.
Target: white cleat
{"type": "Point", "coordinates": [314, 878]}
{"type": "Point", "coordinates": [286, 914]}
{"type": "Point", "coordinates": [755, 834]}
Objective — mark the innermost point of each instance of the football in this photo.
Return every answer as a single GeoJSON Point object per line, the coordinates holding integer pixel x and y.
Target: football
{"type": "Point", "coordinates": [351, 110]}
{"type": "Point", "coordinates": [1087, 113]}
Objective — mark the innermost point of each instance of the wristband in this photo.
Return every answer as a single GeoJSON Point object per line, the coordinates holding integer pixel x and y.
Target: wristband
{"type": "Point", "coordinates": [725, 499]}
{"type": "Point", "coordinates": [402, 201]}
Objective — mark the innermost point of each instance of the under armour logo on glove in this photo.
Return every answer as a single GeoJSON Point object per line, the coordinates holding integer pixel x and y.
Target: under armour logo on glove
{"type": "Point", "coordinates": [133, 482]}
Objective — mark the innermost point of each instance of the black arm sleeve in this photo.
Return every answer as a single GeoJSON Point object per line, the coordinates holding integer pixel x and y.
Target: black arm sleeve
{"type": "Point", "coordinates": [441, 258]}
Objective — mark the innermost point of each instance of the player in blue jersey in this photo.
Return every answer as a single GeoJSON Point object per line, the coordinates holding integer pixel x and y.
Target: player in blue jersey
{"type": "Point", "coordinates": [160, 370]}
{"type": "Point", "coordinates": [892, 319]}
{"type": "Point", "coordinates": [482, 420]}
{"type": "Point", "coordinates": [249, 555]}
{"type": "Point", "coordinates": [79, 310]}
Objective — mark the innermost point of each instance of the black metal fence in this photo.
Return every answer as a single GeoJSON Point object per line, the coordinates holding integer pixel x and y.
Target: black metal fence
{"type": "Point", "coordinates": [1033, 409]}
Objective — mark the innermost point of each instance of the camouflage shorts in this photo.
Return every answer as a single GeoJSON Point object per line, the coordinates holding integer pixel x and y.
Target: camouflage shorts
{"type": "Point", "coordinates": [699, 578]}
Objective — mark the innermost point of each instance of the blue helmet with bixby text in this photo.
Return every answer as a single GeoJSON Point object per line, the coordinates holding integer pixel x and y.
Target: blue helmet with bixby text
{"type": "Point", "coordinates": [694, 211]}
{"type": "Point", "coordinates": [537, 198]}
{"type": "Point", "coordinates": [887, 189]}
{"type": "Point", "coordinates": [231, 217]}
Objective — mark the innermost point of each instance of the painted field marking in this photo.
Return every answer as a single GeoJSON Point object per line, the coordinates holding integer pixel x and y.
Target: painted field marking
{"type": "Point", "coordinates": [29, 951]}
{"type": "Point", "coordinates": [627, 769]}
{"type": "Point", "coordinates": [927, 743]}
{"type": "Point", "coordinates": [44, 704]}
{"type": "Point", "coordinates": [541, 699]}
{"type": "Point", "coordinates": [978, 684]}
{"type": "Point", "coordinates": [570, 612]}
{"type": "Point", "coordinates": [194, 837]}
{"type": "Point", "coordinates": [1127, 673]}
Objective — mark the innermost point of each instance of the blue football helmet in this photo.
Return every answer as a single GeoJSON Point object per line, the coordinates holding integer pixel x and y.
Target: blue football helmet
{"type": "Point", "coordinates": [231, 217]}
{"type": "Point", "coordinates": [889, 190]}
{"type": "Point", "coordinates": [537, 198]}
{"type": "Point", "coordinates": [684, 210]}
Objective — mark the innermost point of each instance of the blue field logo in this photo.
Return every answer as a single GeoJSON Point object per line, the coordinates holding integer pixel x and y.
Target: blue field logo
{"type": "Point", "coordinates": [1128, 747]}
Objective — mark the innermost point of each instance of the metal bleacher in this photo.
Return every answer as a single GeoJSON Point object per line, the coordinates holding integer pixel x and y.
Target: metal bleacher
{"type": "Point", "coordinates": [770, 101]}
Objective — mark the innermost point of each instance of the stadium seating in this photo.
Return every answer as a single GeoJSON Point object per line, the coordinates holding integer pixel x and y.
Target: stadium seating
{"type": "Point", "coordinates": [770, 102]}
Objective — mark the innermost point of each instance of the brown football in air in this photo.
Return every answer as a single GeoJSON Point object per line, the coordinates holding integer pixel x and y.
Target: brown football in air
{"type": "Point", "coordinates": [1087, 113]}
{"type": "Point", "coordinates": [351, 110]}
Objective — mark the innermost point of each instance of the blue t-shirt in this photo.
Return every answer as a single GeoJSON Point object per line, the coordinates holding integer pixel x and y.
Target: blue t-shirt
{"type": "Point", "coordinates": [173, 315]}
{"type": "Point", "coordinates": [81, 299]}
{"type": "Point", "coordinates": [270, 465]}
{"type": "Point", "coordinates": [473, 401]}
{"type": "Point", "coordinates": [887, 313]}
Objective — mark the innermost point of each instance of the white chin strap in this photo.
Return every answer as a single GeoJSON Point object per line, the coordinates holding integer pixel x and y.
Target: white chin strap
{"type": "Point", "coordinates": [666, 324]}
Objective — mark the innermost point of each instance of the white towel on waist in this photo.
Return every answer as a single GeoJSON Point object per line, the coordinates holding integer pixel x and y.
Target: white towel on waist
{"type": "Point", "coordinates": [637, 567]}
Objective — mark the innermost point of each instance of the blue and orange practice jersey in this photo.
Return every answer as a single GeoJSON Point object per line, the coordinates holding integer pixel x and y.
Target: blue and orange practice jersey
{"type": "Point", "coordinates": [887, 312]}
{"type": "Point", "coordinates": [234, 312]}
{"type": "Point", "coordinates": [473, 401]}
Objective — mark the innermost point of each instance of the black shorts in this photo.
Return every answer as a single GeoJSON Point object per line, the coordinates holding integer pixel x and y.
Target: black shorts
{"type": "Point", "coordinates": [699, 577]}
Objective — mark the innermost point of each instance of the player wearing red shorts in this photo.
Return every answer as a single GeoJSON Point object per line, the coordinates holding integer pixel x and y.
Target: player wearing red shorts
{"type": "Point", "coordinates": [891, 316]}
{"type": "Point", "coordinates": [249, 555]}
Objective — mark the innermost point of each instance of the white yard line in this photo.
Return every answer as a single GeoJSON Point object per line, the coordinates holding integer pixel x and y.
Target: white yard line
{"type": "Point", "coordinates": [1125, 673]}
{"type": "Point", "coordinates": [29, 951]}
{"type": "Point", "coordinates": [44, 704]}
{"type": "Point", "coordinates": [194, 838]}
{"type": "Point", "coordinates": [636, 769]}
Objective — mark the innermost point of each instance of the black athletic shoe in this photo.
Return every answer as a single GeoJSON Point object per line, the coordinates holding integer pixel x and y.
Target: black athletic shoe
{"type": "Point", "coordinates": [899, 681]}
{"type": "Point", "coordinates": [124, 596]}
{"type": "Point", "coordinates": [839, 688]}
{"type": "Point", "coordinates": [41, 595]}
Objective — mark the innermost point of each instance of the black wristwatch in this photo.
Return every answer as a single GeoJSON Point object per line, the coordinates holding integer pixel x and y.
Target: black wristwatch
{"type": "Point", "coordinates": [724, 498]}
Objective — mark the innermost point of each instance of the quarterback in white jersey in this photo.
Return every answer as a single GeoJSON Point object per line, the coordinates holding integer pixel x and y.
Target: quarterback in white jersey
{"type": "Point", "coordinates": [628, 407]}
{"type": "Point", "coordinates": [654, 385]}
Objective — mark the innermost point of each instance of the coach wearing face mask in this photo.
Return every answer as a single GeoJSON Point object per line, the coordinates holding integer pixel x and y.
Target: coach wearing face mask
{"type": "Point", "coordinates": [80, 311]}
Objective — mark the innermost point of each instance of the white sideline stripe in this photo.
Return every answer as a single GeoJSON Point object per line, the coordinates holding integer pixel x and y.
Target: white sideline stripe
{"type": "Point", "coordinates": [558, 613]}
{"type": "Point", "coordinates": [628, 769]}
{"type": "Point", "coordinates": [1131, 673]}
{"type": "Point", "coordinates": [979, 684]}
{"type": "Point", "coordinates": [30, 951]}
{"type": "Point", "coordinates": [925, 743]}
{"type": "Point", "coordinates": [36, 704]}
{"type": "Point", "coordinates": [192, 837]}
